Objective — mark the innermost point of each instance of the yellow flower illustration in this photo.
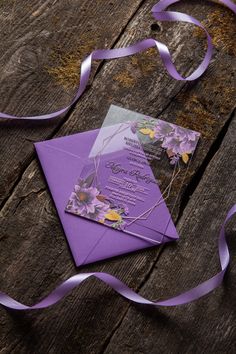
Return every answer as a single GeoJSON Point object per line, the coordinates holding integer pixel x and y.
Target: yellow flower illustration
{"type": "Point", "coordinates": [112, 215]}
{"type": "Point", "coordinates": [185, 157]}
{"type": "Point", "coordinates": [148, 131]}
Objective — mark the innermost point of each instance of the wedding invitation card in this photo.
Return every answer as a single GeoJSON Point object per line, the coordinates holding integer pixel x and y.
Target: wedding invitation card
{"type": "Point", "coordinates": [127, 180]}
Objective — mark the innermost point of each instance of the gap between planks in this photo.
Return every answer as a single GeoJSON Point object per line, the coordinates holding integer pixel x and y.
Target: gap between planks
{"type": "Point", "coordinates": [71, 110]}
{"type": "Point", "coordinates": [186, 195]}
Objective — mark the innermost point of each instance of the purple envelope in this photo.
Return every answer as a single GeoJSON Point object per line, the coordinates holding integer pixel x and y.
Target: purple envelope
{"type": "Point", "coordinates": [63, 160]}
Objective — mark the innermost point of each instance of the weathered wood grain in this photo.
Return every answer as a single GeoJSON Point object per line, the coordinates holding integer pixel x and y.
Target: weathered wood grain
{"type": "Point", "coordinates": [34, 255]}
{"type": "Point", "coordinates": [208, 325]}
{"type": "Point", "coordinates": [143, 73]}
{"type": "Point", "coordinates": [42, 45]}
{"type": "Point", "coordinates": [140, 74]}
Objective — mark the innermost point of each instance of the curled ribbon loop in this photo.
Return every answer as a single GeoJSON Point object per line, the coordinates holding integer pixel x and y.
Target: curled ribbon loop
{"type": "Point", "coordinates": [122, 289]}
{"type": "Point", "coordinates": [160, 14]}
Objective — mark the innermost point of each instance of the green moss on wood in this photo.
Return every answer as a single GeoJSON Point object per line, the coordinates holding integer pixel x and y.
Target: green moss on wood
{"type": "Point", "coordinates": [197, 112]}
{"type": "Point", "coordinates": [65, 67]}
{"type": "Point", "coordinates": [195, 116]}
{"type": "Point", "coordinates": [138, 66]}
{"type": "Point", "coordinates": [221, 25]}
{"type": "Point", "coordinates": [125, 78]}
{"type": "Point", "coordinates": [145, 62]}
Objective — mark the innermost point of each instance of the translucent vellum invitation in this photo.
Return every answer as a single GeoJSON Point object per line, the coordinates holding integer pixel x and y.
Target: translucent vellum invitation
{"type": "Point", "coordinates": [133, 174]}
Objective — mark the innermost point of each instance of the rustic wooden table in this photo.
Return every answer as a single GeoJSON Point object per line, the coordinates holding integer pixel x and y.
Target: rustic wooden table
{"type": "Point", "coordinates": [42, 45]}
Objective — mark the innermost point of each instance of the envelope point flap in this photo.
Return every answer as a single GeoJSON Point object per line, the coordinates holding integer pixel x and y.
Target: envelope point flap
{"type": "Point", "coordinates": [171, 231]}
{"type": "Point", "coordinates": [114, 243]}
{"type": "Point", "coordinates": [78, 144]}
{"type": "Point", "coordinates": [40, 147]}
{"type": "Point", "coordinates": [63, 161]}
{"type": "Point", "coordinates": [61, 170]}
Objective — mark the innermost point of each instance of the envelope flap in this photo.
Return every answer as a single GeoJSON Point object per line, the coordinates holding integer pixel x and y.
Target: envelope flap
{"type": "Point", "coordinates": [78, 144]}
{"type": "Point", "coordinates": [158, 222]}
{"type": "Point", "coordinates": [62, 160]}
{"type": "Point", "coordinates": [60, 168]}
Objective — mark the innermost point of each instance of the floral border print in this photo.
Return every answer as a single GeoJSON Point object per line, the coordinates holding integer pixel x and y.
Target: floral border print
{"type": "Point", "coordinates": [87, 201]}
{"type": "Point", "coordinates": [177, 141]}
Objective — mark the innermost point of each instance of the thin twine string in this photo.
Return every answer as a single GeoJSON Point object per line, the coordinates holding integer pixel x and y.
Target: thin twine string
{"type": "Point", "coordinates": [180, 189]}
{"type": "Point", "coordinates": [106, 140]}
{"type": "Point", "coordinates": [96, 164]}
{"type": "Point", "coordinates": [161, 200]}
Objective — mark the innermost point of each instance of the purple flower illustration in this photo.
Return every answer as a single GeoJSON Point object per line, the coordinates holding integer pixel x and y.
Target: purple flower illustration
{"type": "Point", "coordinates": [133, 126]}
{"type": "Point", "coordinates": [100, 210]}
{"type": "Point", "coordinates": [119, 225]}
{"type": "Point", "coordinates": [181, 141]}
{"type": "Point", "coordinates": [178, 141]}
{"type": "Point", "coordinates": [188, 136]}
{"type": "Point", "coordinates": [184, 133]}
{"type": "Point", "coordinates": [163, 130]}
{"type": "Point", "coordinates": [84, 202]}
{"type": "Point", "coordinates": [174, 159]}
{"type": "Point", "coordinates": [84, 199]}
{"type": "Point", "coordinates": [174, 144]}
{"type": "Point", "coordinates": [124, 209]}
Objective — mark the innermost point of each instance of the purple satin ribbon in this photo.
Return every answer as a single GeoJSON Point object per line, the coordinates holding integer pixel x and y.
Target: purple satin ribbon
{"type": "Point", "coordinates": [159, 14]}
{"type": "Point", "coordinates": [122, 289]}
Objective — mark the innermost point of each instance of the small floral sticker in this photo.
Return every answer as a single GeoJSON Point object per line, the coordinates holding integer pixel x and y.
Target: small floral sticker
{"type": "Point", "coordinates": [178, 142]}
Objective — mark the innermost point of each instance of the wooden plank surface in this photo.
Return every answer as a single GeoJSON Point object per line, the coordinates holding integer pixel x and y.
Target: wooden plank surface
{"type": "Point", "coordinates": [208, 325]}
{"type": "Point", "coordinates": [34, 255]}
{"type": "Point", "coordinates": [42, 45]}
